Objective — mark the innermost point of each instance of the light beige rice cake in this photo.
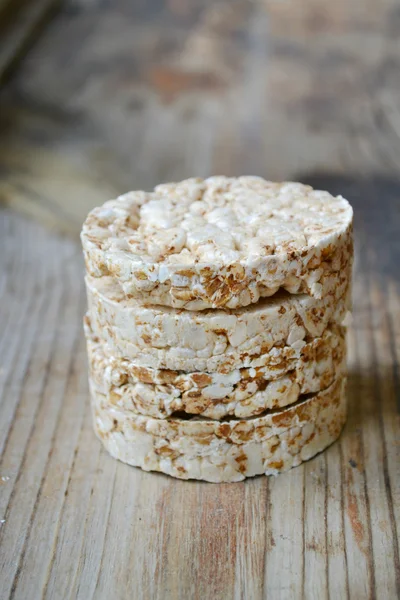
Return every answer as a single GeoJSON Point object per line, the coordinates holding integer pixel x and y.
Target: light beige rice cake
{"type": "Point", "coordinates": [220, 242]}
{"type": "Point", "coordinates": [242, 393]}
{"type": "Point", "coordinates": [223, 451]}
{"type": "Point", "coordinates": [212, 340]}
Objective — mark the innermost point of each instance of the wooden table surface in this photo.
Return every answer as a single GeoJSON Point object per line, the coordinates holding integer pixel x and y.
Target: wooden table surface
{"type": "Point", "coordinates": [121, 95]}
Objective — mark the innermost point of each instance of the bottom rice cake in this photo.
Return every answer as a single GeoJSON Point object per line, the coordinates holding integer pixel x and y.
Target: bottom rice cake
{"type": "Point", "coordinates": [241, 393]}
{"type": "Point", "coordinates": [223, 451]}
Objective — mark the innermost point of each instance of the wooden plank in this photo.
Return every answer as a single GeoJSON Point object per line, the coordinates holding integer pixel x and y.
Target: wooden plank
{"type": "Point", "coordinates": [316, 581]}
{"type": "Point", "coordinates": [156, 91]}
{"type": "Point", "coordinates": [337, 575]}
{"type": "Point", "coordinates": [20, 23]}
{"type": "Point", "coordinates": [284, 576]}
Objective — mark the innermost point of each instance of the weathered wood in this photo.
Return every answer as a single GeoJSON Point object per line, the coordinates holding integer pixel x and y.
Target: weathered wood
{"type": "Point", "coordinates": [77, 524]}
{"type": "Point", "coordinates": [20, 23]}
{"type": "Point", "coordinates": [121, 95]}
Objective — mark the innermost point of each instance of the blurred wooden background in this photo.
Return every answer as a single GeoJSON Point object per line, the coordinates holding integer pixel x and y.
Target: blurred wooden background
{"type": "Point", "coordinates": [120, 95]}
{"type": "Point", "coordinates": [20, 26]}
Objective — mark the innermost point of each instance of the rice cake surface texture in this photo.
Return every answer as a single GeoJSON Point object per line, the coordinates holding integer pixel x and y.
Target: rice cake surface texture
{"type": "Point", "coordinates": [242, 393]}
{"type": "Point", "coordinates": [211, 340]}
{"type": "Point", "coordinates": [223, 451]}
{"type": "Point", "coordinates": [220, 242]}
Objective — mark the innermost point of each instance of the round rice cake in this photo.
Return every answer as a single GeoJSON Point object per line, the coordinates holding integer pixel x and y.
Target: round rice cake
{"type": "Point", "coordinates": [220, 242]}
{"type": "Point", "coordinates": [242, 393]}
{"type": "Point", "coordinates": [223, 451]}
{"type": "Point", "coordinates": [211, 340]}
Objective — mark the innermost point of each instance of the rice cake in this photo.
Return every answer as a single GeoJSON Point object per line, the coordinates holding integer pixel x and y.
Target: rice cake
{"type": "Point", "coordinates": [223, 451]}
{"type": "Point", "coordinates": [220, 242]}
{"type": "Point", "coordinates": [242, 393]}
{"type": "Point", "coordinates": [211, 340]}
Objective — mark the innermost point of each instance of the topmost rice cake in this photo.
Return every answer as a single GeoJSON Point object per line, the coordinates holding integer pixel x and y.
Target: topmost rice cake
{"type": "Point", "coordinates": [220, 242]}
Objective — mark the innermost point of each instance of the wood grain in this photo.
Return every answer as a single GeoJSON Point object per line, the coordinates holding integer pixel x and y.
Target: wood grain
{"type": "Point", "coordinates": [77, 524]}
{"type": "Point", "coordinates": [20, 24]}
{"type": "Point", "coordinates": [123, 95]}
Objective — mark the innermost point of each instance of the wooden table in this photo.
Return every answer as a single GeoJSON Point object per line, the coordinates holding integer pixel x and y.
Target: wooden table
{"type": "Point", "coordinates": [81, 122]}
{"type": "Point", "coordinates": [123, 95]}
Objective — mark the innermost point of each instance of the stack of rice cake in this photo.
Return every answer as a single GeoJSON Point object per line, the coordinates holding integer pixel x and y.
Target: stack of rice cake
{"type": "Point", "coordinates": [215, 326]}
